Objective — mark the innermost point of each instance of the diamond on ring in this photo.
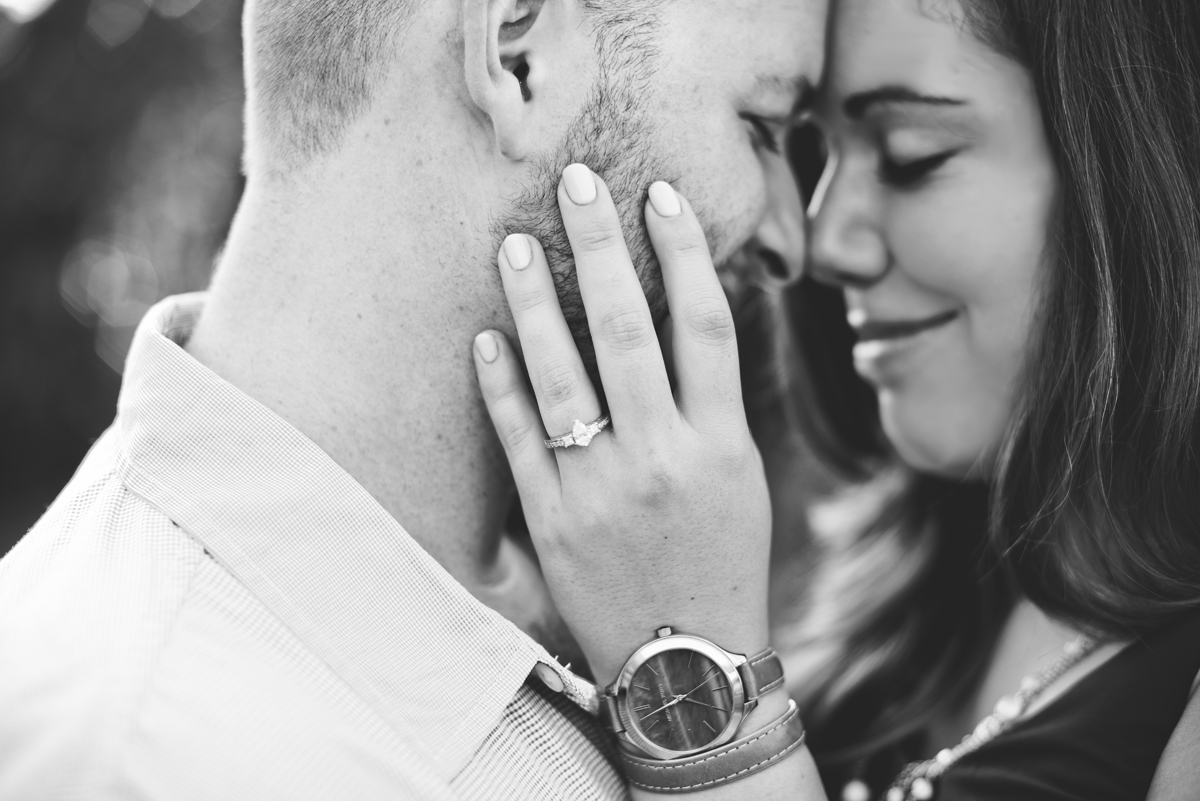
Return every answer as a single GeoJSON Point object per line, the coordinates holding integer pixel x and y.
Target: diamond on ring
{"type": "Point", "coordinates": [581, 434]}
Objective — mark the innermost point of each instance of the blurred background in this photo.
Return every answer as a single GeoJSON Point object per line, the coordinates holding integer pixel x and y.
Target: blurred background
{"type": "Point", "coordinates": [120, 138]}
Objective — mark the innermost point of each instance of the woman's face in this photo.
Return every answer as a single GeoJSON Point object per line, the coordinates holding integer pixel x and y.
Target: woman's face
{"type": "Point", "coordinates": [933, 217]}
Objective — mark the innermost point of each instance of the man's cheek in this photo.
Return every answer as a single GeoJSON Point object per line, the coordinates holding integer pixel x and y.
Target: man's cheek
{"type": "Point", "coordinates": [725, 235]}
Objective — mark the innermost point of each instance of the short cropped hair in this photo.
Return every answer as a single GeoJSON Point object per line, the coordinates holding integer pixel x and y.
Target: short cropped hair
{"type": "Point", "coordinates": [312, 67]}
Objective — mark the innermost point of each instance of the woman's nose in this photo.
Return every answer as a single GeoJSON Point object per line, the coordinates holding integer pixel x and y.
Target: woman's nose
{"type": "Point", "coordinates": [777, 248]}
{"type": "Point", "coordinates": [844, 240]}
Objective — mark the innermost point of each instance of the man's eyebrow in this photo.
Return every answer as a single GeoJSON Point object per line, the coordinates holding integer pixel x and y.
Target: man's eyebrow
{"type": "Point", "coordinates": [857, 104]}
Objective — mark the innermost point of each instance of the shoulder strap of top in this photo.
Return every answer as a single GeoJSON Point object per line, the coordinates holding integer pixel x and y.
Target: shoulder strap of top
{"type": "Point", "coordinates": [1178, 773]}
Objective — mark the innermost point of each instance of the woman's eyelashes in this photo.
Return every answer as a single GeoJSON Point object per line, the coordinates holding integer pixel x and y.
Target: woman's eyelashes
{"type": "Point", "coordinates": [904, 174]}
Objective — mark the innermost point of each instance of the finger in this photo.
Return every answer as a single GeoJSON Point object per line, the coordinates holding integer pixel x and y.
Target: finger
{"type": "Point", "coordinates": [560, 383]}
{"type": "Point", "coordinates": [627, 351]}
{"type": "Point", "coordinates": [708, 380]}
{"type": "Point", "coordinates": [666, 338]}
{"type": "Point", "coordinates": [516, 419]}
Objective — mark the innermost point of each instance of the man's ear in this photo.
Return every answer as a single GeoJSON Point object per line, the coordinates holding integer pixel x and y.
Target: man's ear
{"type": "Point", "coordinates": [507, 45]}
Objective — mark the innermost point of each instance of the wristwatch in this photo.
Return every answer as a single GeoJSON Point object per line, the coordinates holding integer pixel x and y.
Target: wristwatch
{"type": "Point", "coordinates": [680, 695]}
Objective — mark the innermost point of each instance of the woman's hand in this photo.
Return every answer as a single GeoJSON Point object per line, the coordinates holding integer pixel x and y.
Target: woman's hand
{"type": "Point", "coordinates": [664, 519]}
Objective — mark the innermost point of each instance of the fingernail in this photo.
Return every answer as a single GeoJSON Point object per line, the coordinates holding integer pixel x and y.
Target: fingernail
{"type": "Point", "coordinates": [664, 199]}
{"type": "Point", "coordinates": [518, 252]}
{"type": "Point", "coordinates": [488, 349]}
{"type": "Point", "coordinates": [580, 183]}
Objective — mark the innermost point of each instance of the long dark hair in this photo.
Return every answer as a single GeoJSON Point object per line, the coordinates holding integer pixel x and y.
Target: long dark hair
{"type": "Point", "coordinates": [1094, 513]}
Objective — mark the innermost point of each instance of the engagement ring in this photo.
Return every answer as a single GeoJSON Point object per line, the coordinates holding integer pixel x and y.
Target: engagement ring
{"type": "Point", "coordinates": [581, 434]}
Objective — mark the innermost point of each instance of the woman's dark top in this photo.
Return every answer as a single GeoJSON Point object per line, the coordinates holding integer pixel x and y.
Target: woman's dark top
{"type": "Point", "coordinates": [1100, 740]}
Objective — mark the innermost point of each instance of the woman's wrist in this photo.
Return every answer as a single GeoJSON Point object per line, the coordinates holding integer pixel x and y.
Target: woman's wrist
{"type": "Point", "coordinates": [606, 663]}
{"type": "Point", "coordinates": [760, 746]}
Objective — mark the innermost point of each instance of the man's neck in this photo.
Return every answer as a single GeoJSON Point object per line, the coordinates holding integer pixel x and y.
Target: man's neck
{"type": "Point", "coordinates": [342, 325]}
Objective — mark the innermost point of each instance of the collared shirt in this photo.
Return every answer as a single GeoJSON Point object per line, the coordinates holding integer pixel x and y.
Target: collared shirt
{"type": "Point", "coordinates": [213, 609]}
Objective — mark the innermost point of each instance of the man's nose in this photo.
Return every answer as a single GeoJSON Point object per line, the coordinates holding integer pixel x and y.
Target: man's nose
{"type": "Point", "coordinates": [846, 247]}
{"type": "Point", "coordinates": [777, 247]}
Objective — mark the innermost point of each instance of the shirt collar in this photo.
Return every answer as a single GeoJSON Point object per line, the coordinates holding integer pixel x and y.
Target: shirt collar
{"type": "Point", "coordinates": [316, 549]}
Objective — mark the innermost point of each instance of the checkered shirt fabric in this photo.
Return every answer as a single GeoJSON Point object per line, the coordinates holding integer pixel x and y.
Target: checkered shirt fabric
{"type": "Point", "coordinates": [213, 609]}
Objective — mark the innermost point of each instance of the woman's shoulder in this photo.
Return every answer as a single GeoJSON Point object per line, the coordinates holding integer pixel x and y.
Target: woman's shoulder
{"type": "Point", "coordinates": [1178, 772]}
{"type": "Point", "coordinates": [1130, 724]}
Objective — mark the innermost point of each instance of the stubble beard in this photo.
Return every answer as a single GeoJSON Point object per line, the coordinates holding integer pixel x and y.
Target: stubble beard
{"type": "Point", "coordinates": [613, 137]}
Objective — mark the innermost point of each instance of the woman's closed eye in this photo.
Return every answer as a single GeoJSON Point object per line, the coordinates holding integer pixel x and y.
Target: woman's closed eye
{"type": "Point", "coordinates": [907, 173]}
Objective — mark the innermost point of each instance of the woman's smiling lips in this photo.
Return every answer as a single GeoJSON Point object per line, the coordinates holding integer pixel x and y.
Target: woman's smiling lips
{"type": "Point", "coordinates": [883, 343]}
{"type": "Point", "coordinates": [869, 330]}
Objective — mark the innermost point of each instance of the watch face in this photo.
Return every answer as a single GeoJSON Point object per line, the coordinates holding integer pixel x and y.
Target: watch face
{"type": "Point", "coordinates": [680, 700]}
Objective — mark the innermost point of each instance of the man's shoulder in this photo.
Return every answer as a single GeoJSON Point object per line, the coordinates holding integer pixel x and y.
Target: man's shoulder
{"type": "Point", "coordinates": [100, 554]}
{"type": "Point", "coordinates": [141, 662]}
{"type": "Point", "coordinates": [87, 599]}
{"type": "Point", "coordinates": [99, 551]}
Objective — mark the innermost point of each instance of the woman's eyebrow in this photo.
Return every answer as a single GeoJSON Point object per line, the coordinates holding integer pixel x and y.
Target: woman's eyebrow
{"type": "Point", "coordinates": [857, 105]}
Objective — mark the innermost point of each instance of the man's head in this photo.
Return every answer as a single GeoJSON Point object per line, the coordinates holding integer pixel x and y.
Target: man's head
{"type": "Point", "coordinates": [512, 91]}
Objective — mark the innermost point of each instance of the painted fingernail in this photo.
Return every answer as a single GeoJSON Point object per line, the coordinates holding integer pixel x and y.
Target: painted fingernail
{"type": "Point", "coordinates": [664, 199]}
{"type": "Point", "coordinates": [580, 183]}
{"type": "Point", "coordinates": [517, 251]}
{"type": "Point", "coordinates": [485, 343]}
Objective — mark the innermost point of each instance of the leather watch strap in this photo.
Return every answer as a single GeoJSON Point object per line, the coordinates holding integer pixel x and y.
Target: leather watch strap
{"type": "Point", "coordinates": [762, 673]}
{"type": "Point", "coordinates": [741, 758]}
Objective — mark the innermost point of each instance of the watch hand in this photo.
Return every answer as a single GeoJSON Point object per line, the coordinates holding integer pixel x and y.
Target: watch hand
{"type": "Point", "coordinates": [701, 703]}
{"type": "Point", "coordinates": [701, 684]}
{"type": "Point", "coordinates": [670, 703]}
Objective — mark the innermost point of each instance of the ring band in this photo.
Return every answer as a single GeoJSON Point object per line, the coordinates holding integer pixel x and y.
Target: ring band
{"type": "Point", "coordinates": [581, 434]}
